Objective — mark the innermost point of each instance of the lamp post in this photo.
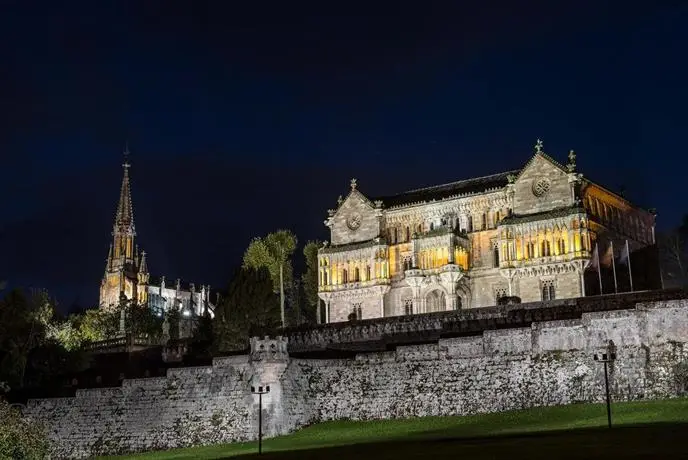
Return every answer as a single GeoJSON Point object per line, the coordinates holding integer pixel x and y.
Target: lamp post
{"type": "Point", "coordinates": [260, 391]}
{"type": "Point", "coordinates": [606, 358]}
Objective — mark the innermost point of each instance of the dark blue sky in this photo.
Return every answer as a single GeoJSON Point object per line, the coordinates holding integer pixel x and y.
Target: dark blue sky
{"type": "Point", "coordinates": [245, 119]}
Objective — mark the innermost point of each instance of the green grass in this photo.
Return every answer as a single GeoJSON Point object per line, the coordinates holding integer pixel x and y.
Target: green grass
{"type": "Point", "coordinates": [564, 430]}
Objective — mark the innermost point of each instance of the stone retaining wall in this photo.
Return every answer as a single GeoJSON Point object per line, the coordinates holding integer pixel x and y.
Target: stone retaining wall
{"type": "Point", "coordinates": [547, 363]}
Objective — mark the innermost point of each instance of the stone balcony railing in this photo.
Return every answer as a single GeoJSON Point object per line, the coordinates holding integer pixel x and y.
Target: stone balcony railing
{"type": "Point", "coordinates": [383, 333]}
{"type": "Point", "coordinates": [354, 285]}
{"type": "Point", "coordinates": [123, 343]}
{"type": "Point", "coordinates": [555, 259]}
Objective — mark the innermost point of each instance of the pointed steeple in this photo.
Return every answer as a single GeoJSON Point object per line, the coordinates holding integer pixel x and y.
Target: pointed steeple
{"type": "Point", "coordinates": [143, 264]}
{"type": "Point", "coordinates": [125, 211]}
{"type": "Point", "coordinates": [109, 259]}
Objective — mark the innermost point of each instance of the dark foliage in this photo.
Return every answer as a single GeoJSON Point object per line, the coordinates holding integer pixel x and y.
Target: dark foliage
{"type": "Point", "coordinates": [249, 308]}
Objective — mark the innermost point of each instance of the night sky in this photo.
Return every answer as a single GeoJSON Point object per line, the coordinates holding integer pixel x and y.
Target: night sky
{"type": "Point", "coordinates": [246, 117]}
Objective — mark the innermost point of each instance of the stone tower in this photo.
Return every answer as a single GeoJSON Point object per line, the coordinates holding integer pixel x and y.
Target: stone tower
{"type": "Point", "coordinates": [125, 272]}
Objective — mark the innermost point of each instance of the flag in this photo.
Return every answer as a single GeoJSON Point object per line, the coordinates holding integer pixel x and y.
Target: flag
{"type": "Point", "coordinates": [607, 258]}
{"type": "Point", "coordinates": [595, 259]}
{"type": "Point", "coordinates": [595, 263]}
{"type": "Point", "coordinates": [625, 259]}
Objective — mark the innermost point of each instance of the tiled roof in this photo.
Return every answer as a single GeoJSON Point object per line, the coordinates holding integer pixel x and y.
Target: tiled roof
{"type": "Point", "coordinates": [451, 190]}
{"type": "Point", "coordinates": [551, 214]}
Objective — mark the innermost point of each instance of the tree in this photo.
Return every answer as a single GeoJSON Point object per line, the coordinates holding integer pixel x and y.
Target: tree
{"type": "Point", "coordinates": [249, 307]}
{"type": "Point", "coordinates": [23, 324]}
{"type": "Point", "coordinates": [273, 253]}
{"type": "Point", "coordinates": [20, 437]}
{"type": "Point", "coordinates": [310, 278]}
{"type": "Point", "coordinates": [673, 251]}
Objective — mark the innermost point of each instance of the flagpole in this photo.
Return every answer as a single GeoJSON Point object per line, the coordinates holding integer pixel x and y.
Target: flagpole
{"type": "Point", "coordinates": [611, 246]}
{"type": "Point", "coordinates": [599, 272]}
{"type": "Point", "coordinates": [630, 272]}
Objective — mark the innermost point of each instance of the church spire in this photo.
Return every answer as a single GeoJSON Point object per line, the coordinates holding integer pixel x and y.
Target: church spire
{"type": "Point", "coordinates": [125, 212]}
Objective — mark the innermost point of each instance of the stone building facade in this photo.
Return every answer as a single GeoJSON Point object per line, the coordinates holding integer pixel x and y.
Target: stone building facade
{"type": "Point", "coordinates": [126, 269]}
{"type": "Point", "coordinates": [530, 233]}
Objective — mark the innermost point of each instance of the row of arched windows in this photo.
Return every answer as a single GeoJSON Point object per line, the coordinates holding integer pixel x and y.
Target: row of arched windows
{"type": "Point", "coordinates": [355, 275]}
{"type": "Point", "coordinates": [488, 220]}
{"type": "Point", "coordinates": [628, 223]}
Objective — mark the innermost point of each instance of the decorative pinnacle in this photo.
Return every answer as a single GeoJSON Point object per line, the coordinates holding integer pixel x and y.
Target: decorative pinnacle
{"type": "Point", "coordinates": [538, 146]}
{"type": "Point", "coordinates": [126, 163]}
{"type": "Point", "coordinates": [353, 184]}
{"type": "Point", "coordinates": [571, 166]}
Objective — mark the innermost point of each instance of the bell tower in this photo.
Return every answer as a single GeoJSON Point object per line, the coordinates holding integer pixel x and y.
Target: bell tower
{"type": "Point", "coordinates": [123, 264]}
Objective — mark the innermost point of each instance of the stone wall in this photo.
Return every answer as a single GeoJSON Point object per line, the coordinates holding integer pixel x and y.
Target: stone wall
{"type": "Point", "coordinates": [380, 332]}
{"type": "Point", "coordinates": [547, 363]}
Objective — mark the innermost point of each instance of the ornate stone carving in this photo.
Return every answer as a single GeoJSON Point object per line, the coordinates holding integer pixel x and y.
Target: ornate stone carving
{"type": "Point", "coordinates": [541, 187]}
{"type": "Point", "coordinates": [571, 165]}
{"type": "Point", "coordinates": [354, 221]}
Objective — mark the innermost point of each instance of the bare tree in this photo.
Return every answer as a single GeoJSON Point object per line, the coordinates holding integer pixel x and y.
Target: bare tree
{"type": "Point", "coordinates": [674, 258]}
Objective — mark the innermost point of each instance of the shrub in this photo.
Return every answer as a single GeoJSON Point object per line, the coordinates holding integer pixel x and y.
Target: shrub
{"type": "Point", "coordinates": [681, 375]}
{"type": "Point", "coordinates": [20, 438]}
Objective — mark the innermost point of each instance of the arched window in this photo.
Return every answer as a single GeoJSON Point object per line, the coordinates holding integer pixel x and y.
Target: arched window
{"type": "Point", "coordinates": [408, 306]}
{"type": "Point", "coordinates": [545, 249]}
{"type": "Point", "coordinates": [325, 280]}
{"type": "Point", "coordinates": [407, 264]}
{"type": "Point", "coordinates": [483, 224]}
{"type": "Point", "coordinates": [562, 246]}
{"type": "Point", "coordinates": [345, 276]}
{"type": "Point", "coordinates": [432, 226]}
{"type": "Point", "coordinates": [495, 262]}
{"type": "Point", "coordinates": [459, 303]}
{"type": "Point", "coordinates": [408, 234]}
{"type": "Point", "coordinates": [530, 250]}
{"type": "Point", "coordinates": [548, 292]}
{"type": "Point", "coordinates": [357, 275]}
{"type": "Point", "coordinates": [368, 275]}
{"type": "Point", "coordinates": [470, 223]}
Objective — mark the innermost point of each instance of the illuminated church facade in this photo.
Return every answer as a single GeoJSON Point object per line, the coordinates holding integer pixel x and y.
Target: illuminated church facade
{"type": "Point", "coordinates": [126, 270]}
{"type": "Point", "coordinates": [537, 233]}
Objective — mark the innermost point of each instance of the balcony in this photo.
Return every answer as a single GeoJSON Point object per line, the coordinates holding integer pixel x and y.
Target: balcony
{"type": "Point", "coordinates": [354, 285]}
{"type": "Point", "coordinates": [554, 259]}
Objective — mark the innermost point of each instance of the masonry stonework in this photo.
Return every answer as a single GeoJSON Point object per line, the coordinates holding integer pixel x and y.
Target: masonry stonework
{"type": "Point", "coordinates": [531, 233]}
{"type": "Point", "coordinates": [549, 363]}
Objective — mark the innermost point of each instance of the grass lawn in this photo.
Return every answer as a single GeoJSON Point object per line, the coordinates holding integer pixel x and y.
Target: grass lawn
{"type": "Point", "coordinates": [647, 429]}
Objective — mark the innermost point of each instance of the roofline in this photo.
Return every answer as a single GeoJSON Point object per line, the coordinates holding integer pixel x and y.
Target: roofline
{"type": "Point", "coordinates": [422, 189]}
{"type": "Point", "coordinates": [625, 200]}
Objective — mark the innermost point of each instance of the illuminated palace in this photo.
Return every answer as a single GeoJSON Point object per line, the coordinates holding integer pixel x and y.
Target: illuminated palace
{"type": "Point", "coordinates": [528, 233]}
{"type": "Point", "coordinates": [126, 270]}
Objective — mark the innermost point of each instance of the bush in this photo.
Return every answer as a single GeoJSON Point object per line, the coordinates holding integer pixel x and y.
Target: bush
{"type": "Point", "coordinates": [681, 376]}
{"type": "Point", "coordinates": [20, 438]}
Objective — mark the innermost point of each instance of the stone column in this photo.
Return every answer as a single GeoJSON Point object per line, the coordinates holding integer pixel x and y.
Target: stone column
{"type": "Point", "coordinates": [414, 252]}
{"type": "Point", "coordinates": [327, 311]}
{"type": "Point", "coordinates": [382, 306]}
{"type": "Point", "coordinates": [450, 255]}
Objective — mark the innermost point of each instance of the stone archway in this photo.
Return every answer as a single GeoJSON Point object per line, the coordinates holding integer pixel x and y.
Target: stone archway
{"type": "Point", "coordinates": [435, 300]}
